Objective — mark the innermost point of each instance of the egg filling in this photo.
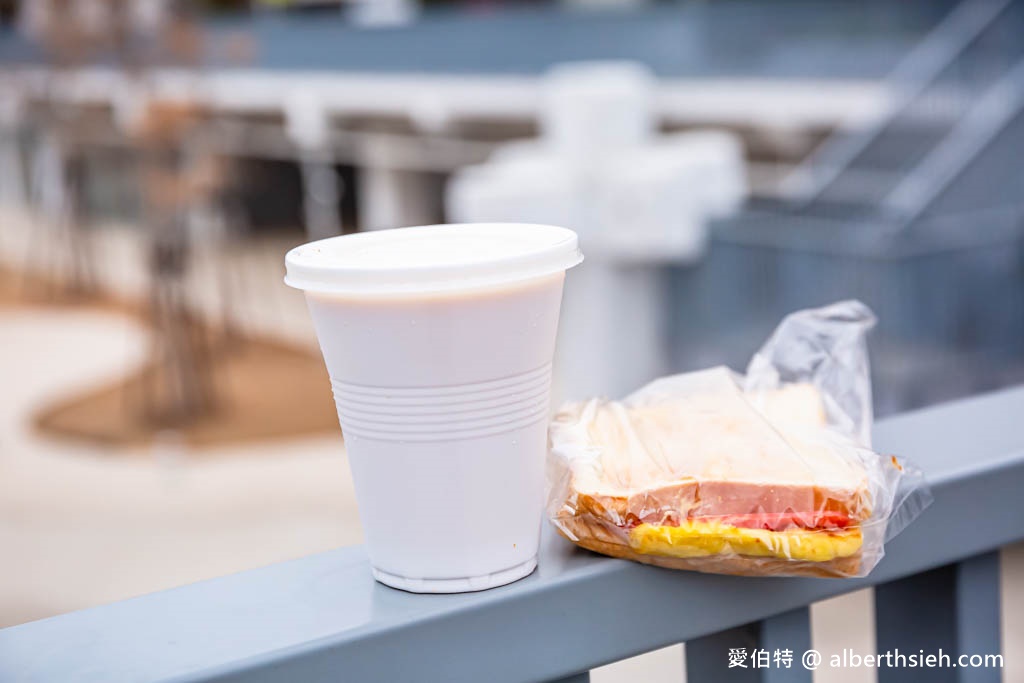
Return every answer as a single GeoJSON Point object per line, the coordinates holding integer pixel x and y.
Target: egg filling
{"type": "Point", "coordinates": [694, 538]}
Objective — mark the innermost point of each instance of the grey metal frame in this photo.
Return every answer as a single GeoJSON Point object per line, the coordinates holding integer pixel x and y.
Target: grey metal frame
{"type": "Point", "coordinates": [918, 70]}
{"type": "Point", "coordinates": [990, 115]}
{"type": "Point", "coordinates": [322, 618]}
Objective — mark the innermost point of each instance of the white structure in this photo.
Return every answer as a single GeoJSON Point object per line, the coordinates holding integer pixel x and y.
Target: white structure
{"type": "Point", "coordinates": [390, 194]}
{"type": "Point", "coordinates": [307, 123]}
{"type": "Point", "coordinates": [637, 200]}
{"type": "Point", "coordinates": [382, 13]}
{"type": "Point", "coordinates": [12, 182]}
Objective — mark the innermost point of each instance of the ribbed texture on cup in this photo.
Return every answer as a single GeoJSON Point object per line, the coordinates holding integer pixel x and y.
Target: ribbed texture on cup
{"type": "Point", "coordinates": [443, 413]}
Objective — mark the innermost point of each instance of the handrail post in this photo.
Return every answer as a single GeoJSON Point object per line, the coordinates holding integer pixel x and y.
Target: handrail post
{"type": "Point", "coordinates": [576, 678]}
{"type": "Point", "coordinates": [955, 608]}
{"type": "Point", "coordinates": [737, 655]}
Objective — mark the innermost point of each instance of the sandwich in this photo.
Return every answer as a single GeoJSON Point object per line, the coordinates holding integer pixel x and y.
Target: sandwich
{"type": "Point", "coordinates": [694, 473]}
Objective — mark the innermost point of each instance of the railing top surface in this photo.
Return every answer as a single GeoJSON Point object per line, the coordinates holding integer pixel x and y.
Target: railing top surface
{"type": "Point", "coordinates": [323, 617]}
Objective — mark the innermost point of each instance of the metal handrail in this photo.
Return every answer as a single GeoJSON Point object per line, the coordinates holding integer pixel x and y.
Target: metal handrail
{"type": "Point", "coordinates": [322, 618]}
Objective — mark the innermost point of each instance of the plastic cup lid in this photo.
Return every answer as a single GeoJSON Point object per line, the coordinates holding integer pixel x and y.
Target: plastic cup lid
{"type": "Point", "coordinates": [432, 258]}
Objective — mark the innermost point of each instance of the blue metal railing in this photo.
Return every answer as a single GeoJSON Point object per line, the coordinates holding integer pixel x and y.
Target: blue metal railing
{"type": "Point", "coordinates": [322, 618]}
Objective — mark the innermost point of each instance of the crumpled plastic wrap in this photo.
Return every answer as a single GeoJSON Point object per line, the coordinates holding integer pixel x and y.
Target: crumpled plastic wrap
{"type": "Point", "coordinates": [768, 473]}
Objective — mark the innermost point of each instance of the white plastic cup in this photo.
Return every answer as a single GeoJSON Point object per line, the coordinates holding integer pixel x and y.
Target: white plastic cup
{"type": "Point", "coordinates": [439, 342]}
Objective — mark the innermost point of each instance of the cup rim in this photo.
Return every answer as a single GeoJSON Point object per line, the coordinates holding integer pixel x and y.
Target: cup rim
{"type": "Point", "coordinates": [387, 262]}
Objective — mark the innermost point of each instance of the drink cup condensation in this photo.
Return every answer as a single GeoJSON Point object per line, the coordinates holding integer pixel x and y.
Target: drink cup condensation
{"type": "Point", "coordinates": [439, 341]}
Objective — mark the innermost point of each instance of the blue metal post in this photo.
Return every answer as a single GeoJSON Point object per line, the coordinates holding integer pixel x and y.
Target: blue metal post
{"type": "Point", "coordinates": [578, 678]}
{"type": "Point", "coordinates": [787, 632]}
{"type": "Point", "coordinates": [738, 655]}
{"type": "Point", "coordinates": [954, 609]}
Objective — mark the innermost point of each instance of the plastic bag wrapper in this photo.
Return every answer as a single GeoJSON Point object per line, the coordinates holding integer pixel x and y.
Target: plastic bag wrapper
{"type": "Point", "coordinates": [770, 473]}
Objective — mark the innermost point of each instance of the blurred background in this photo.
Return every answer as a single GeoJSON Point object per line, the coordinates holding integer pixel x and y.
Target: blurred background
{"type": "Point", "coordinates": [165, 416]}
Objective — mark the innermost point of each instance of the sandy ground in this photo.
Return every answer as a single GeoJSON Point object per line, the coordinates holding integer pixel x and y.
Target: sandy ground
{"type": "Point", "coordinates": [82, 525]}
